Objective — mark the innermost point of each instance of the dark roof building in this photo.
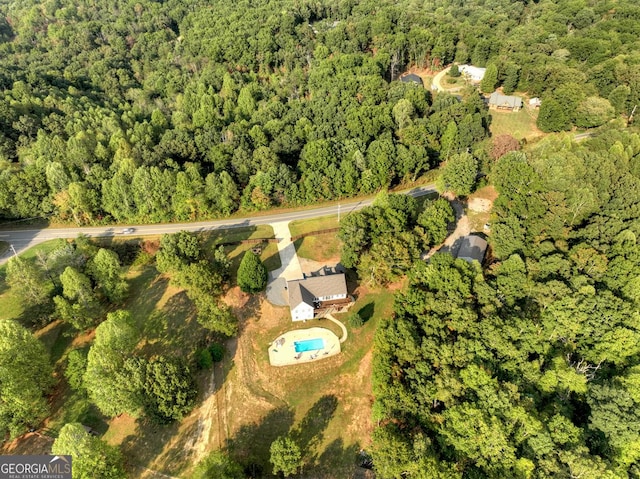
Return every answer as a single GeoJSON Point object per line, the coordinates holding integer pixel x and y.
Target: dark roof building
{"type": "Point", "coordinates": [472, 248]}
{"type": "Point", "coordinates": [505, 102]}
{"type": "Point", "coordinates": [412, 78]}
{"type": "Point", "coordinates": [305, 295]}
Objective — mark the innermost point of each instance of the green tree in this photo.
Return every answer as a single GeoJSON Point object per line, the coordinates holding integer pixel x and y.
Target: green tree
{"type": "Point", "coordinates": [25, 377]}
{"type": "Point", "coordinates": [593, 111]}
{"type": "Point", "coordinates": [435, 219]}
{"type": "Point", "coordinates": [215, 315]}
{"type": "Point", "coordinates": [108, 382]}
{"type": "Point", "coordinates": [76, 367]}
{"type": "Point", "coordinates": [286, 456]}
{"type": "Point", "coordinates": [218, 465]}
{"type": "Point", "coordinates": [28, 280]}
{"type": "Point", "coordinates": [511, 77]}
{"type": "Point", "coordinates": [79, 306]}
{"type": "Point", "coordinates": [454, 71]}
{"type": "Point", "coordinates": [92, 458]}
{"type": "Point", "coordinates": [106, 271]}
{"type": "Point", "coordinates": [490, 79]}
{"type": "Point", "coordinates": [459, 174]}
{"type": "Point", "coordinates": [178, 250]}
{"type": "Point", "coordinates": [252, 274]}
{"type": "Point", "coordinates": [552, 116]}
{"type": "Point", "coordinates": [169, 389]}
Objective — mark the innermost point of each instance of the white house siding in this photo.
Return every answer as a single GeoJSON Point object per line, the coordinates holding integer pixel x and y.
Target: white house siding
{"type": "Point", "coordinates": [302, 312]}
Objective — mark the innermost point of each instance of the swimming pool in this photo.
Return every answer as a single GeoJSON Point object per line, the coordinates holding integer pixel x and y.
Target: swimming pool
{"type": "Point", "coordinates": [309, 345]}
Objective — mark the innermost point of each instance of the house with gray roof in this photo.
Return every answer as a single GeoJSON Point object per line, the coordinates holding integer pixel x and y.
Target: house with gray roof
{"type": "Point", "coordinates": [505, 102]}
{"type": "Point", "coordinates": [309, 296]}
{"type": "Point", "coordinates": [412, 78]}
{"type": "Point", "coordinates": [472, 248]}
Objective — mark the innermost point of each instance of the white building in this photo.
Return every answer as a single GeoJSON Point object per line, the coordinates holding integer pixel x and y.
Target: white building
{"type": "Point", "coordinates": [471, 73]}
{"type": "Point", "coordinates": [307, 295]}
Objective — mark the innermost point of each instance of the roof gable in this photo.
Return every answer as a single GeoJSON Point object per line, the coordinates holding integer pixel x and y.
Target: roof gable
{"type": "Point", "coordinates": [472, 247]}
{"type": "Point", "coordinates": [505, 100]}
{"type": "Point", "coordinates": [305, 290]}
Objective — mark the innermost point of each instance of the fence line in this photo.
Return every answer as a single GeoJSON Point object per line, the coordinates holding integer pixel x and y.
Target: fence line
{"type": "Point", "coordinates": [313, 233]}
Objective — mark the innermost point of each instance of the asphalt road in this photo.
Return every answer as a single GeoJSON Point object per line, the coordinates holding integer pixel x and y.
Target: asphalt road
{"type": "Point", "coordinates": [22, 239]}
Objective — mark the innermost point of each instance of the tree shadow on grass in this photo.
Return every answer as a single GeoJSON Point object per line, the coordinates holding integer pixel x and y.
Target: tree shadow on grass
{"type": "Point", "coordinates": [250, 446]}
{"type": "Point", "coordinates": [339, 461]}
{"type": "Point", "coordinates": [145, 292]}
{"type": "Point", "coordinates": [310, 432]}
{"type": "Point", "coordinates": [159, 447]}
{"type": "Point", "coordinates": [173, 330]}
{"type": "Point", "coordinates": [367, 311]}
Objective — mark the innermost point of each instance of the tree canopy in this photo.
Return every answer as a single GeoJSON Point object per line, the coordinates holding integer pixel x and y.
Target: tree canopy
{"type": "Point", "coordinates": [252, 274]}
{"type": "Point", "coordinates": [91, 457]}
{"type": "Point", "coordinates": [528, 369]}
{"type": "Point", "coordinates": [25, 377]}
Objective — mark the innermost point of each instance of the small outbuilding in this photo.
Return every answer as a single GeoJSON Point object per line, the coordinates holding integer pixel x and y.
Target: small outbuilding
{"type": "Point", "coordinates": [412, 78]}
{"type": "Point", "coordinates": [535, 102]}
{"type": "Point", "coordinates": [472, 248]}
{"type": "Point", "coordinates": [505, 102]}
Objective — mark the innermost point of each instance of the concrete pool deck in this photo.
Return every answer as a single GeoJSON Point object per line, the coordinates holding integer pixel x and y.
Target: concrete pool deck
{"type": "Point", "coordinates": [282, 351]}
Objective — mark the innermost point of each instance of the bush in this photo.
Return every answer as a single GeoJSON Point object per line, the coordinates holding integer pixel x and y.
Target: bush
{"type": "Point", "coordinates": [217, 352]}
{"type": "Point", "coordinates": [204, 359]}
{"type": "Point", "coordinates": [252, 275]}
{"type": "Point", "coordinates": [76, 366]}
{"type": "Point", "coordinates": [355, 320]}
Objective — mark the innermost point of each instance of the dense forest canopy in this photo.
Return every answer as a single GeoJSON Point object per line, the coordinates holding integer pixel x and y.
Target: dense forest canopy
{"type": "Point", "coordinates": [529, 369]}
{"type": "Point", "coordinates": [154, 111]}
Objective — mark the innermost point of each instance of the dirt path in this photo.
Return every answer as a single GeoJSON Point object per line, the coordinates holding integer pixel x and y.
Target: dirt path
{"type": "Point", "coordinates": [206, 413]}
{"type": "Point", "coordinates": [435, 83]}
{"type": "Point", "coordinates": [463, 228]}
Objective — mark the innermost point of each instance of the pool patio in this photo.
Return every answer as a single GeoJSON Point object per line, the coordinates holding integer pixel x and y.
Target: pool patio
{"type": "Point", "coordinates": [282, 351]}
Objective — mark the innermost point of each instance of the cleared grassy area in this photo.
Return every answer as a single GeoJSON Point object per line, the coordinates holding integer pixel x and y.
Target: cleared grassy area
{"type": "Point", "coordinates": [269, 254]}
{"type": "Point", "coordinates": [322, 247]}
{"type": "Point", "coordinates": [520, 124]}
{"type": "Point", "coordinates": [325, 406]}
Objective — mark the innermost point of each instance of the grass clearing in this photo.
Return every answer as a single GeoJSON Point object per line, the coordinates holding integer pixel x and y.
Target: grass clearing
{"type": "Point", "coordinates": [269, 251]}
{"type": "Point", "coordinates": [321, 247]}
{"type": "Point", "coordinates": [520, 124]}
{"type": "Point", "coordinates": [325, 405]}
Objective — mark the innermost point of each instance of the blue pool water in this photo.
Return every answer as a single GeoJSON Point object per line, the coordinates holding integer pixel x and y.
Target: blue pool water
{"type": "Point", "coordinates": [309, 345]}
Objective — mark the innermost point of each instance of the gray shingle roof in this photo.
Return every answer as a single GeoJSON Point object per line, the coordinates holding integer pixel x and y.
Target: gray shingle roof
{"type": "Point", "coordinates": [304, 290]}
{"type": "Point", "coordinates": [411, 78]}
{"type": "Point", "coordinates": [505, 100]}
{"type": "Point", "coordinates": [472, 247]}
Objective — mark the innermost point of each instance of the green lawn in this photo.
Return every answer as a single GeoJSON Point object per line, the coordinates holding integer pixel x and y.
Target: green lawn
{"type": "Point", "coordinates": [325, 406]}
{"type": "Point", "coordinates": [520, 124]}
{"type": "Point", "coordinates": [269, 254]}
{"type": "Point", "coordinates": [322, 247]}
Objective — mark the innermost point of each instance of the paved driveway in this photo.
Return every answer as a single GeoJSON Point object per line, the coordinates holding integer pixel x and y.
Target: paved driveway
{"type": "Point", "coordinates": [277, 287]}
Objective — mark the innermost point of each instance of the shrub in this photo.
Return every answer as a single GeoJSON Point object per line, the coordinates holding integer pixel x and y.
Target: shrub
{"type": "Point", "coordinates": [217, 352]}
{"type": "Point", "coordinates": [355, 320]}
{"type": "Point", "coordinates": [204, 359]}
